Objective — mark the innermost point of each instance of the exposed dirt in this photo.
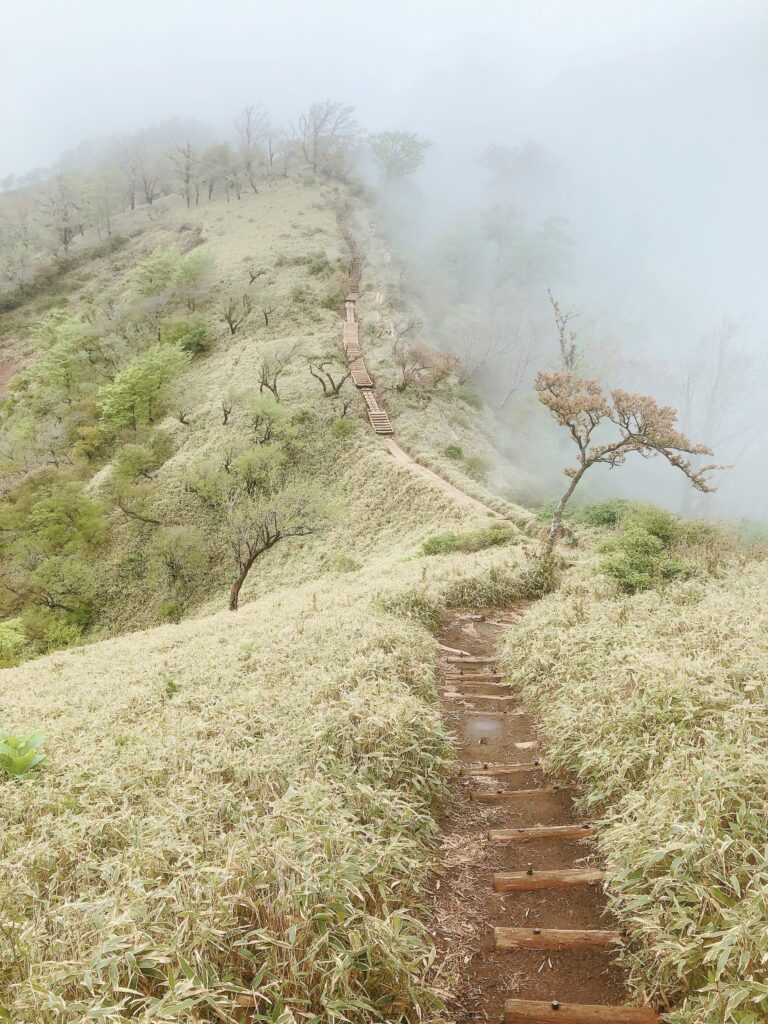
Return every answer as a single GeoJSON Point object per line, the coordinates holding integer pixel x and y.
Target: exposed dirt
{"type": "Point", "coordinates": [415, 467]}
{"type": "Point", "coordinates": [466, 908]}
{"type": "Point", "coordinates": [7, 370]}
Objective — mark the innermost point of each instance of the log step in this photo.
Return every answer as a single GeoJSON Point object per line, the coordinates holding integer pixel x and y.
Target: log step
{"type": "Point", "coordinates": [522, 881]}
{"type": "Point", "coordinates": [526, 1011]}
{"type": "Point", "coordinates": [527, 745]}
{"type": "Point", "coordinates": [554, 938]}
{"type": "Point", "coordinates": [512, 794]}
{"type": "Point", "coordinates": [466, 659]}
{"type": "Point", "coordinates": [503, 769]}
{"type": "Point", "coordinates": [456, 695]}
{"type": "Point", "coordinates": [473, 677]}
{"type": "Point", "coordinates": [522, 835]}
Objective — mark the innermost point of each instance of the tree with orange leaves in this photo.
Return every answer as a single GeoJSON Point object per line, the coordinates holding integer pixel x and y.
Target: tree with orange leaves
{"type": "Point", "coordinates": [639, 425]}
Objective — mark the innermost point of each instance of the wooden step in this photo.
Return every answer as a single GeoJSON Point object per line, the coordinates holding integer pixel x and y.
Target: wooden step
{"type": "Point", "coordinates": [527, 881]}
{"type": "Point", "coordinates": [456, 695]}
{"type": "Point", "coordinates": [503, 769]}
{"type": "Point", "coordinates": [477, 677]}
{"type": "Point", "coordinates": [501, 796]}
{"type": "Point", "coordinates": [526, 1011]}
{"type": "Point", "coordinates": [555, 938]}
{"type": "Point", "coordinates": [466, 659]}
{"type": "Point", "coordinates": [523, 835]}
{"type": "Point", "coordinates": [527, 745]}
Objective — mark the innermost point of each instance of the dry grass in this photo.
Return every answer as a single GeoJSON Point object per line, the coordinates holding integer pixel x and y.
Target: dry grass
{"type": "Point", "coordinates": [235, 817]}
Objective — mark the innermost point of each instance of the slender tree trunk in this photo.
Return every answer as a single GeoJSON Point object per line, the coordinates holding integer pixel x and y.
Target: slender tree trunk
{"type": "Point", "coordinates": [234, 594]}
{"type": "Point", "coordinates": [557, 516]}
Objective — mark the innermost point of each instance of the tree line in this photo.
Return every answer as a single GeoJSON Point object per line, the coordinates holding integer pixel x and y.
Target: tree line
{"type": "Point", "coordinates": [44, 213]}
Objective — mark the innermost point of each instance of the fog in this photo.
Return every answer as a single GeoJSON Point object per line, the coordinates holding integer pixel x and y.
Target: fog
{"type": "Point", "coordinates": [648, 121]}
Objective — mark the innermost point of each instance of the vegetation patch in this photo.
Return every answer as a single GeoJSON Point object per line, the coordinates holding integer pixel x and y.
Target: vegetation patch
{"type": "Point", "coordinates": [474, 540]}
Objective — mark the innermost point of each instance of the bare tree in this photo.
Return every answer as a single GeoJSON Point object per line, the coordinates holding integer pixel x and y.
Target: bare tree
{"type": "Point", "coordinates": [271, 369]}
{"type": "Point", "coordinates": [326, 132]}
{"type": "Point", "coordinates": [565, 335]}
{"type": "Point", "coordinates": [257, 524]}
{"type": "Point", "coordinates": [185, 161]}
{"type": "Point", "coordinates": [330, 374]}
{"type": "Point", "coordinates": [236, 310]}
{"type": "Point", "coordinates": [61, 208]}
{"type": "Point", "coordinates": [252, 126]}
{"type": "Point", "coordinates": [641, 424]}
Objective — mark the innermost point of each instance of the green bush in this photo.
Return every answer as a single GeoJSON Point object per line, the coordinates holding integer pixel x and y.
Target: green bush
{"type": "Point", "coordinates": [476, 466]}
{"type": "Point", "coordinates": [342, 427]}
{"type": "Point", "coordinates": [318, 265]}
{"type": "Point", "coordinates": [453, 451]}
{"type": "Point", "coordinates": [333, 300]}
{"type": "Point", "coordinates": [13, 637]}
{"type": "Point", "coordinates": [189, 335]}
{"type": "Point", "coordinates": [638, 560]}
{"type": "Point", "coordinates": [654, 520]}
{"type": "Point", "coordinates": [607, 513]}
{"type": "Point", "coordinates": [475, 540]}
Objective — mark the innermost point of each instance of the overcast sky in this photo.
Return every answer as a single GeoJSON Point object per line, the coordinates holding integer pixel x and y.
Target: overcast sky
{"type": "Point", "coordinates": [656, 110]}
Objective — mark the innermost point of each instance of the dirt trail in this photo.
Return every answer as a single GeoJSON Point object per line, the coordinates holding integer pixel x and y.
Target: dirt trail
{"type": "Point", "coordinates": [465, 499]}
{"type": "Point", "coordinates": [492, 732]}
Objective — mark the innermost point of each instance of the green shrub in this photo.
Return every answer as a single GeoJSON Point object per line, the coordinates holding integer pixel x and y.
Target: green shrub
{"type": "Point", "coordinates": [333, 300]}
{"type": "Point", "coordinates": [654, 520]}
{"type": "Point", "coordinates": [453, 451]}
{"type": "Point", "coordinates": [343, 427]}
{"type": "Point", "coordinates": [475, 540]}
{"type": "Point", "coordinates": [476, 466]}
{"type": "Point", "coordinates": [13, 637]}
{"type": "Point", "coordinates": [19, 756]}
{"type": "Point", "coordinates": [318, 265]}
{"type": "Point", "coordinates": [607, 513]}
{"type": "Point", "coordinates": [638, 560]}
{"type": "Point", "coordinates": [189, 335]}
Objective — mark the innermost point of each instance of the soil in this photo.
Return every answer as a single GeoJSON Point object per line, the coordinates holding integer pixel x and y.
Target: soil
{"type": "Point", "coordinates": [7, 370]}
{"type": "Point", "coordinates": [478, 977]}
{"type": "Point", "coordinates": [448, 488]}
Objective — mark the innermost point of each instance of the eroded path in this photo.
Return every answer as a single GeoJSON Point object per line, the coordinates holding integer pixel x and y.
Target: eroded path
{"type": "Point", "coordinates": [519, 915]}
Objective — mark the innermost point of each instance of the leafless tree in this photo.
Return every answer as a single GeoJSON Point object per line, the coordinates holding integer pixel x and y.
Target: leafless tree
{"type": "Point", "coordinates": [236, 310]}
{"type": "Point", "coordinates": [565, 335]}
{"type": "Point", "coordinates": [325, 132]}
{"type": "Point", "coordinates": [256, 524]}
{"type": "Point", "coordinates": [185, 161]}
{"type": "Point", "coordinates": [60, 205]}
{"type": "Point", "coordinates": [330, 374]}
{"type": "Point", "coordinates": [272, 367]}
{"type": "Point", "coordinates": [252, 126]}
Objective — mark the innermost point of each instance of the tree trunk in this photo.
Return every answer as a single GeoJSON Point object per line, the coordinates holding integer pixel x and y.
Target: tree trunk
{"type": "Point", "coordinates": [234, 594]}
{"type": "Point", "coordinates": [557, 516]}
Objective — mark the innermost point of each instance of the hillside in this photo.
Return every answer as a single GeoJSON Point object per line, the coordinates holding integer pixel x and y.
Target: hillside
{"type": "Point", "coordinates": [239, 811]}
{"type": "Point", "coordinates": [219, 783]}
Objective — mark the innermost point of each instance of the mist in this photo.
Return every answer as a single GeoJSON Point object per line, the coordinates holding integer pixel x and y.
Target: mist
{"type": "Point", "coordinates": [640, 144]}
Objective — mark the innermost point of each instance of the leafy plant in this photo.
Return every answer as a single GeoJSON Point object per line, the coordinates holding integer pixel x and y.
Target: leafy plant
{"type": "Point", "coordinates": [638, 560]}
{"type": "Point", "coordinates": [475, 540]}
{"type": "Point", "coordinates": [19, 755]}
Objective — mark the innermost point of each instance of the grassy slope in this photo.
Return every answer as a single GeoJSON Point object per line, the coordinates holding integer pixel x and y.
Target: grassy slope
{"type": "Point", "coordinates": [243, 802]}
{"type": "Point", "coordinates": [657, 702]}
